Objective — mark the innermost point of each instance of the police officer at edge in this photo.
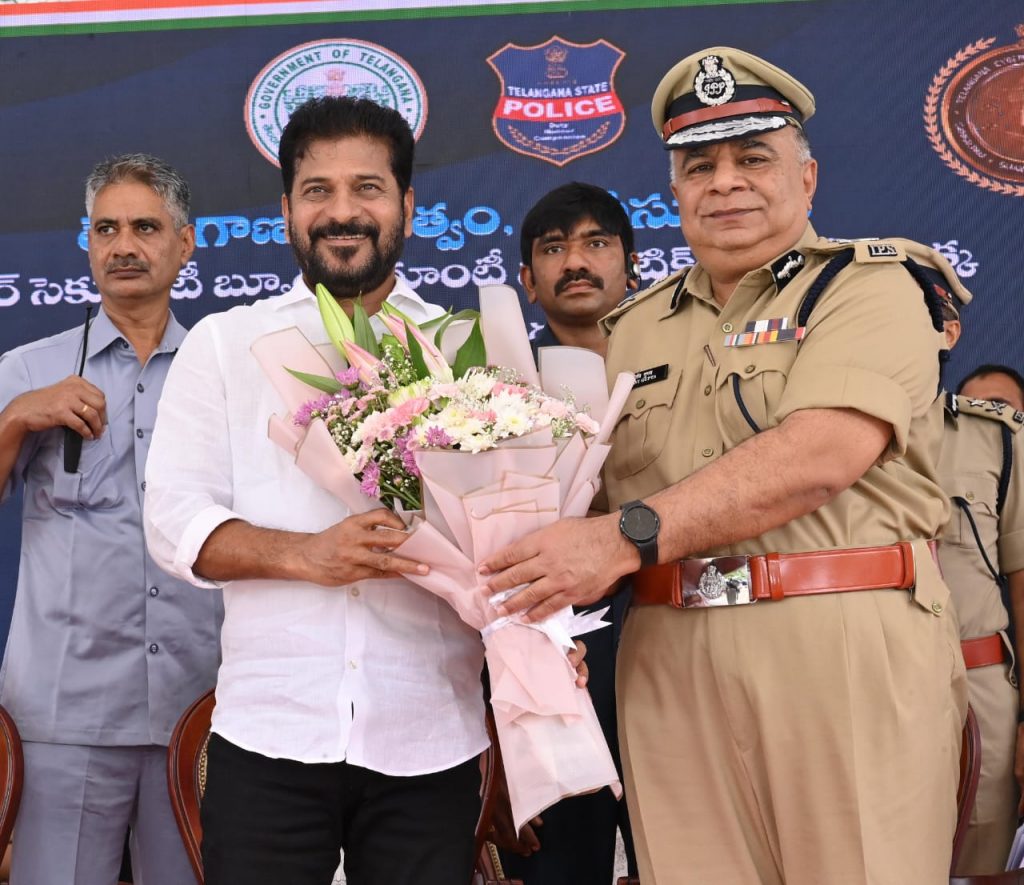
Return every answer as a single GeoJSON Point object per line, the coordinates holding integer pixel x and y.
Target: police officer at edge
{"type": "Point", "coordinates": [982, 558]}
{"type": "Point", "coordinates": [813, 736]}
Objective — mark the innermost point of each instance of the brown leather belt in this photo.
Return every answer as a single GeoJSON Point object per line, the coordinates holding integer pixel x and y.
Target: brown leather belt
{"type": "Point", "coordinates": [740, 580]}
{"type": "Point", "coordinates": [984, 651]}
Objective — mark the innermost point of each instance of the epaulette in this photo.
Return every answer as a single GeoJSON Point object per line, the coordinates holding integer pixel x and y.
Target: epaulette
{"type": "Point", "coordinates": [634, 298]}
{"type": "Point", "coordinates": [867, 250]}
{"type": "Point", "coordinates": [984, 408]}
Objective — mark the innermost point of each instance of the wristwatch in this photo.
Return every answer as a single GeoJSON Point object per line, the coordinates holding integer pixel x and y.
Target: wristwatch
{"type": "Point", "coordinates": [640, 524]}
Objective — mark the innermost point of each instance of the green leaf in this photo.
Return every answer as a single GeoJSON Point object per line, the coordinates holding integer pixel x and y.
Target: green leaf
{"type": "Point", "coordinates": [467, 314]}
{"type": "Point", "coordinates": [429, 324]}
{"type": "Point", "coordinates": [363, 331]}
{"type": "Point", "coordinates": [472, 354]}
{"type": "Point", "coordinates": [336, 322]}
{"type": "Point", "coordinates": [320, 382]}
{"type": "Point", "coordinates": [389, 309]}
{"type": "Point", "coordinates": [416, 356]}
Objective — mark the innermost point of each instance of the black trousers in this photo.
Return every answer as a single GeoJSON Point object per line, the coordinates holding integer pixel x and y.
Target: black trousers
{"type": "Point", "coordinates": [279, 822]}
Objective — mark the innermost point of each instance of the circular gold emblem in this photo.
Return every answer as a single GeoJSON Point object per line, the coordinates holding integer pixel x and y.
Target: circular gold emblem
{"type": "Point", "coordinates": [979, 97]}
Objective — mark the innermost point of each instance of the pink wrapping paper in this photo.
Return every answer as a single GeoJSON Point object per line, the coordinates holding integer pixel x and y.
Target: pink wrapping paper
{"type": "Point", "coordinates": [475, 504]}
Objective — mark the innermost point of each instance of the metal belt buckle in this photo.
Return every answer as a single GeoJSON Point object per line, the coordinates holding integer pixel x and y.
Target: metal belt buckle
{"type": "Point", "coordinates": [724, 580]}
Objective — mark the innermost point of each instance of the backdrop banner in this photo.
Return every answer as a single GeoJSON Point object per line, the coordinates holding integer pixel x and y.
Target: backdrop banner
{"type": "Point", "coordinates": [919, 133]}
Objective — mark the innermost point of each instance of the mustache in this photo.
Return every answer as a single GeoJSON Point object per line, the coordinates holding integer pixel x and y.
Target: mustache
{"type": "Point", "coordinates": [344, 229]}
{"type": "Point", "coordinates": [126, 264]}
{"type": "Point", "coordinates": [570, 277]}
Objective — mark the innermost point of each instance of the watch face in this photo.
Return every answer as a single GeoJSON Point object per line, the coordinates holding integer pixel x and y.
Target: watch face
{"type": "Point", "coordinates": [639, 523]}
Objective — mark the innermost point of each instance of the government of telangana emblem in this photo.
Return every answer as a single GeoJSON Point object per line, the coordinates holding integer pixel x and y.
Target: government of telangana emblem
{"type": "Point", "coordinates": [558, 100]}
{"type": "Point", "coordinates": [330, 67]}
{"type": "Point", "coordinates": [974, 114]}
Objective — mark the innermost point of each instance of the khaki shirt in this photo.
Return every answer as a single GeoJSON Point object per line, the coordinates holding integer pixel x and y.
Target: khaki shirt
{"type": "Point", "coordinates": [869, 345]}
{"type": "Point", "coordinates": [969, 467]}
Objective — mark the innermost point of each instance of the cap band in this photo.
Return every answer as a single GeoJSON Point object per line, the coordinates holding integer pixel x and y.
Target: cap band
{"type": "Point", "coordinates": [731, 109]}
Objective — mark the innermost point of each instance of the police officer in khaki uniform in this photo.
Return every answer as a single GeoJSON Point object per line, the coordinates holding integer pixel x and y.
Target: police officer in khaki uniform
{"type": "Point", "coordinates": [982, 558]}
{"type": "Point", "coordinates": [781, 436]}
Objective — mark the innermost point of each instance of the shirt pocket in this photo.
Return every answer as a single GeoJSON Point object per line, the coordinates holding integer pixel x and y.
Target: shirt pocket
{"type": "Point", "coordinates": [750, 386]}
{"type": "Point", "coordinates": [978, 491]}
{"type": "Point", "coordinates": [93, 485]}
{"type": "Point", "coordinates": [643, 427]}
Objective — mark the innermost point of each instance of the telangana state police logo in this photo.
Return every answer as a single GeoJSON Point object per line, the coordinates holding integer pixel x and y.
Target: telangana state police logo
{"type": "Point", "coordinates": [558, 100]}
{"type": "Point", "coordinates": [974, 114]}
{"type": "Point", "coordinates": [330, 67]}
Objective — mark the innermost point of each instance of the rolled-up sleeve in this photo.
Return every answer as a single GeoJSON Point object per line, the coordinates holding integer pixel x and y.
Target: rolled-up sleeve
{"type": "Point", "coordinates": [189, 469]}
{"type": "Point", "coordinates": [869, 346]}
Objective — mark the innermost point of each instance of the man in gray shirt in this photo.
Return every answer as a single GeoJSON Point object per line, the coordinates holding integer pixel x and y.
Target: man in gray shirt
{"type": "Point", "coordinates": [105, 650]}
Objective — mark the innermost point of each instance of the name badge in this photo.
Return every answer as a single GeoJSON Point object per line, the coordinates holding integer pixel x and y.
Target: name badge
{"type": "Point", "coordinates": [766, 332]}
{"type": "Point", "coordinates": [649, 376]}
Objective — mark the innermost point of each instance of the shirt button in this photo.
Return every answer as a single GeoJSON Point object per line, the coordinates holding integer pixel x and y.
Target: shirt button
{"type": "Point", "coordinates": [153, 648]}
{"type": "Point", "coordinates": [707, 390]}
{"type": "Point", "coordinates": [124, 344]}
{"type": "Point", "coordinates": [750, 368]}
{"type": "Point", "coordinates": [143, 485]}
{"type": "Point", "coordinates": [727, 327]}
{"type": "Point", "coordinates": [640, 403]}
{"type": "Point", "coordinates": [140, 387]}
{"type": "Point", "coordinates": [138, 433]}
{"type": "Point", "coordinates": [937, 608]}
{"type": "Point", "coordinates": [154, 591]}
{"type": "Point", "coordinates": [707, 453]}
{"type": "Point", "coordinates": [969, 496]}
{"type": "Point", "coordinates": [352, 665]}
{"type": "Point", "coordinates": [354, 591]}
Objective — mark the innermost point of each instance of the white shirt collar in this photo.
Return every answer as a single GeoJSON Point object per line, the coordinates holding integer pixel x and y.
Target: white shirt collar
{"type": "Point", "coordinates": [402, 296]}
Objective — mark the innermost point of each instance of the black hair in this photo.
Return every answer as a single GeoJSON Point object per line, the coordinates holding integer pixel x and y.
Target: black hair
{"type": "Point", "coordinates": [564, 207]}
{"type": "Point", "coordinates": [994, 369]}
{"type": "Point", "coordinates": [335, 116]}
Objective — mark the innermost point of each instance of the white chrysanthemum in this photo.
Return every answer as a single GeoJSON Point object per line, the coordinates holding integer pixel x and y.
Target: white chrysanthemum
{"type": "Point", "coordinates": [478, 385]}
{"type": "Point", "coordinates": [476, 442]}
{"type": "Point", "coordinates": [512, 423]}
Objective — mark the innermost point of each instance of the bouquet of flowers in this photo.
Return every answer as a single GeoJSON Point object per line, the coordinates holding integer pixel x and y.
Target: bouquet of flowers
{"type": "Point", "coordinates": [474, 456]}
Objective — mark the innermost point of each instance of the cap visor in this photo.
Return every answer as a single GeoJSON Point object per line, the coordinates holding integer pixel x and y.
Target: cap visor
{"type": "Point", "coordinates": [723, 130]}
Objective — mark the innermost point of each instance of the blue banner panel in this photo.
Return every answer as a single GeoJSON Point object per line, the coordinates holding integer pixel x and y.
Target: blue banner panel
{"type": "Point", "coordinates": [918, 133]}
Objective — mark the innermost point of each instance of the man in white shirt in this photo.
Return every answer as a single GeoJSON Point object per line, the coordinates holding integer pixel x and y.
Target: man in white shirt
{"type": "Point", "coordinates": [349, 714]}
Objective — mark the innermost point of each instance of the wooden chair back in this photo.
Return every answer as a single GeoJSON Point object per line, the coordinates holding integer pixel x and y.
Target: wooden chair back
{"type": "Point", "coordinates": [12, 773]}
{"type": "Point", "coordinates": [186, 781]}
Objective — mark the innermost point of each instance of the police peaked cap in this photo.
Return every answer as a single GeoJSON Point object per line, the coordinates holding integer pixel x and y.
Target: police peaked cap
{"type": "Point", "coordinates": [723, 93]}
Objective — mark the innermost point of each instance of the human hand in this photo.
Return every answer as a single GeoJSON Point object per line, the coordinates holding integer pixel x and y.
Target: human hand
{"type": "Point", "coordinates": [576, 658]}
{"type": "Point", "coordinates": [571, 562]}
{"type": "Point", "coordinates": [356, 549]}
{"type": "Point", "coordinates": [73, 402]}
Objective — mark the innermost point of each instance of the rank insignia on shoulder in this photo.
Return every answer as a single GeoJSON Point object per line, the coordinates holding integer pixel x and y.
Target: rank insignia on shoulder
{"type": "Point", "coordinates": [1018, 417]}
{"type": "Point", "coordinates": [649, 376]}
{"type": "Point", "coordinates": [785, 268]}
{"type": "Point", "coordinates": [878, 252]}
{"type": "Point", "coordinates": [766, 332]}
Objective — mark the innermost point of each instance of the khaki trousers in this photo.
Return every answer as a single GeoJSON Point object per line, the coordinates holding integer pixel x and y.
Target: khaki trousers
{"type": "Point", "coordinates": [994, 818]}
{"type": "Point", "coordinates": [808, 741]}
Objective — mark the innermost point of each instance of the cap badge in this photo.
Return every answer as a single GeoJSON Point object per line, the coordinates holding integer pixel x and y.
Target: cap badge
{"type": "Point", "coordinates": [714, 83]}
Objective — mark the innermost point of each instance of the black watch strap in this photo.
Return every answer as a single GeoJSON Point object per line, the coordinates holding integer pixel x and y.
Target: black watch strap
{"type": "Point", "coordinates": [640, 525]}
